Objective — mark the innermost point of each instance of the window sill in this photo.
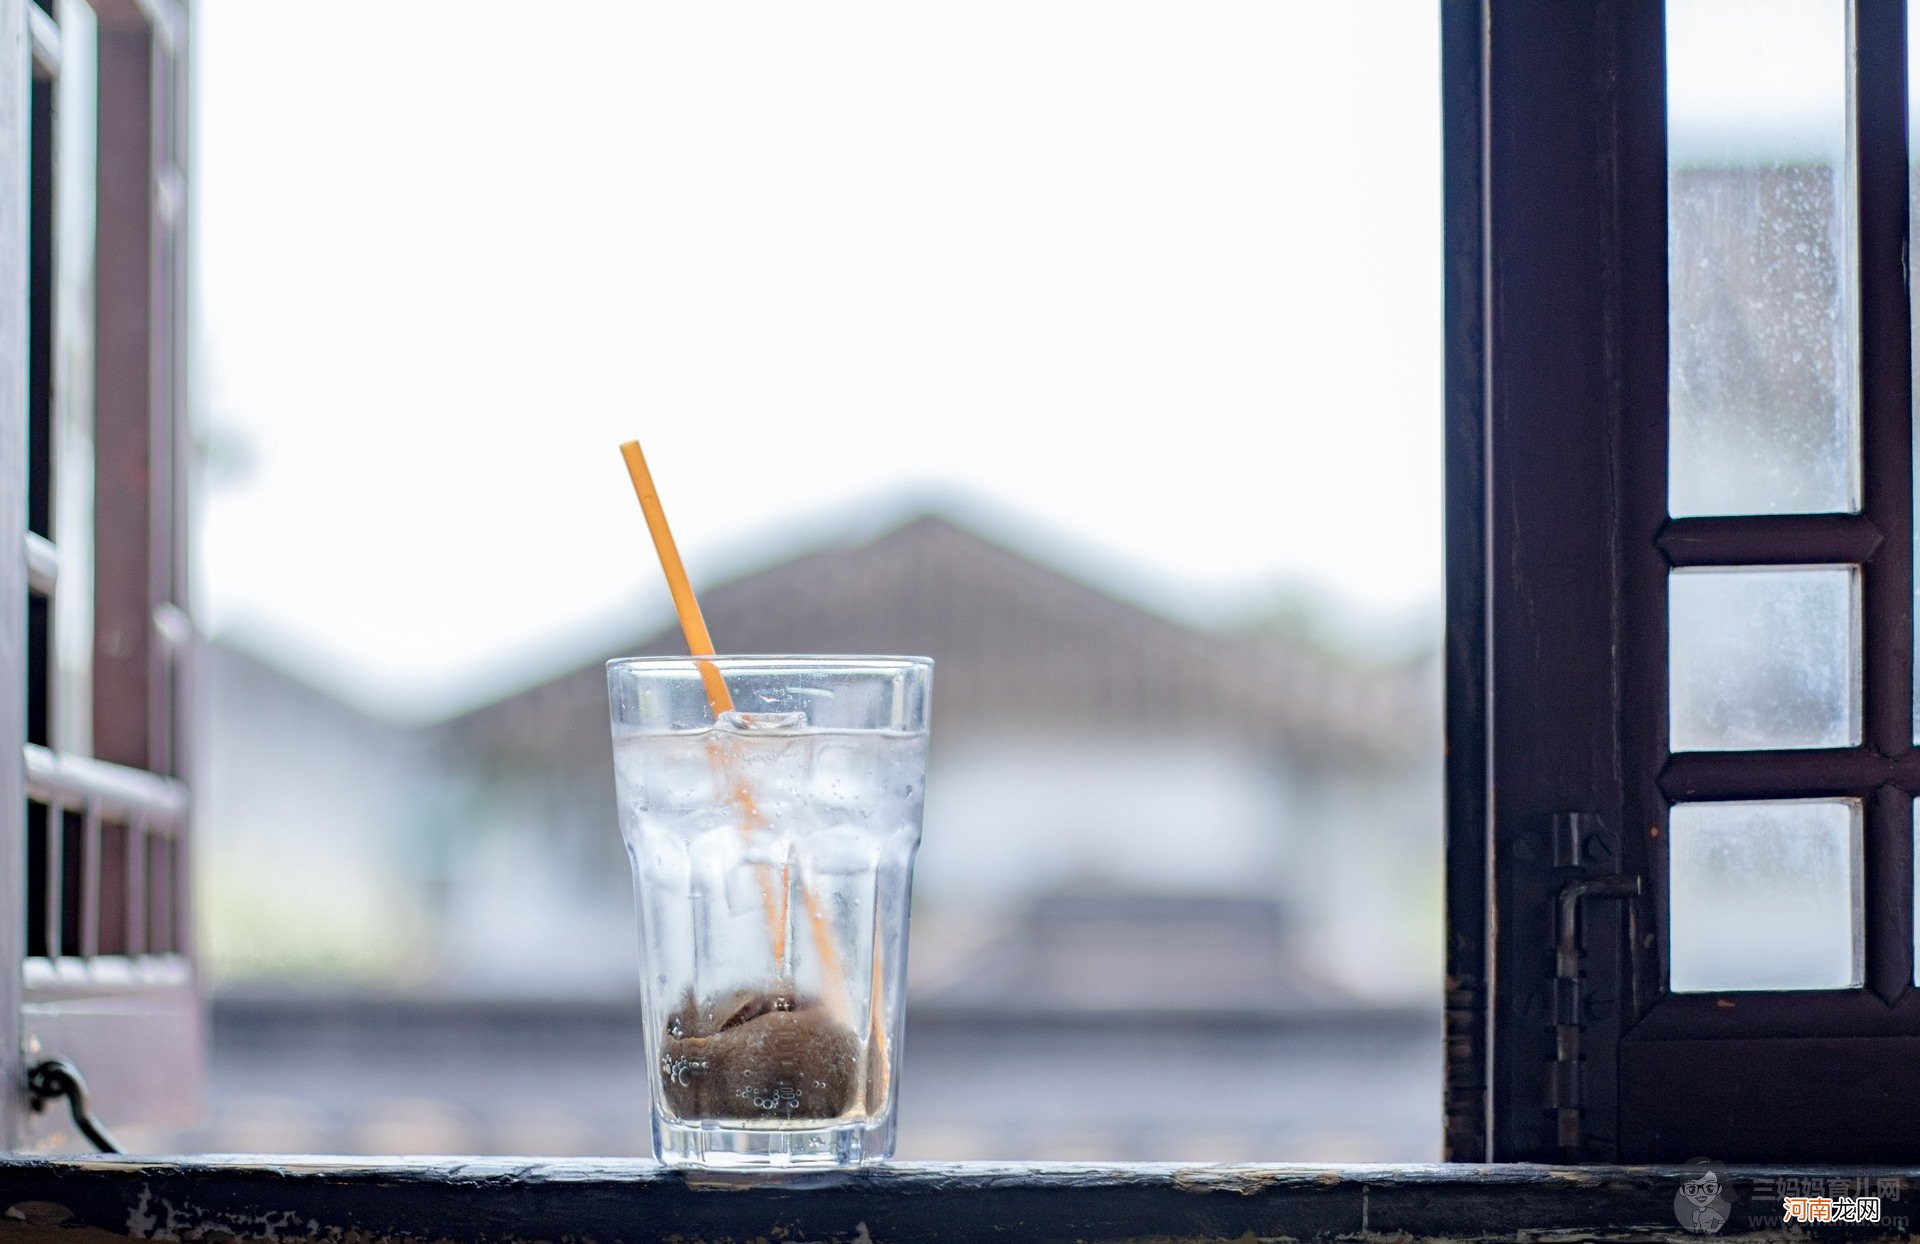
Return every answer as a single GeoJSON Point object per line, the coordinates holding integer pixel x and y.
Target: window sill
{"type": "Point", "coordinates": [605, 1200]}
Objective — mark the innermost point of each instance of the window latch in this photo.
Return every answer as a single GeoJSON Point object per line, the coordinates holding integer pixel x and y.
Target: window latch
{"type": "Point", "coordinates": [56, 1078]}
{"type": "Point", "coordinates": [1580, 841]}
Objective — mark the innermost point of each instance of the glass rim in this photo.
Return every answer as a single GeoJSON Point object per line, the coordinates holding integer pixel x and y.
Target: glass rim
{"type": "Point", "coordinates": [776, 660]}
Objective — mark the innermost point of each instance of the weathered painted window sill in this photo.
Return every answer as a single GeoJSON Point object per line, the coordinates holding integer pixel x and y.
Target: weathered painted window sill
{"type": "Point", "coordinates": [452, 1199]}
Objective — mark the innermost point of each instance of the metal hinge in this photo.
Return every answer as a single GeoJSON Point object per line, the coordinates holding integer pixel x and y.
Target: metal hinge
{"type": "Point", "coordinates": [1466, 1083]}
{"type": "Point", "coordinates": [1580, 841]}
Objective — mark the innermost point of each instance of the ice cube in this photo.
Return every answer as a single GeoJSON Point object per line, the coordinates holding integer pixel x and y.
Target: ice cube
{"type": "Point", "coordinates": [747, 888]}
{"type": "Point", "coordinates": [663, 771]}
{"type": "Point", "coordinates": [753, 876]}
{"type": "Point", "coordinates": [714, 857]}
{"type": "Point", "coordinates": [760, 722]}
{"type": "Point", "coordinates": [841, 850]}
{"type": "Point", "coordinates": [845, 771]}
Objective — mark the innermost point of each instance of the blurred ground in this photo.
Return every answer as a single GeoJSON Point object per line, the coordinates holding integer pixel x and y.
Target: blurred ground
{"type": "Point", "coordinates": [359, 1075]}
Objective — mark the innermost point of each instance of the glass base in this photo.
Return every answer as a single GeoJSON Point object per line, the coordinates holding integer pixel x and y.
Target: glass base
{"type": "Point", "coordinates": [720, 1146]}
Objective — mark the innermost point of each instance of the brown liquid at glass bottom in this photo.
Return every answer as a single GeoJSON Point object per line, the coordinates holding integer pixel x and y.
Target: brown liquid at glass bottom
{"type": "Point", "coordinates": [760, 1055]}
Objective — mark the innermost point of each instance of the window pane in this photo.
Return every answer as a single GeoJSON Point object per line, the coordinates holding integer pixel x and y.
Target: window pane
{"type": "Point", "coordinates": [1763, 658]}
{"type": "Point", "coordinates": [1760, 244]}
{"type": "Point", "coordinates": [1765, 896]}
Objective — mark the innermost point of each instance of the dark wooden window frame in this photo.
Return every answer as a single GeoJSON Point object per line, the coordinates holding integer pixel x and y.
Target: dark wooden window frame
{"type": "Point", "coordinates": [1564, 1042]}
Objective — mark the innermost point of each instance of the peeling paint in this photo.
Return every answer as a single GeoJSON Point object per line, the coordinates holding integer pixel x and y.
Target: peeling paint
{"type": "Point", "coordinates": [140, 1223]}
{"type": "Point", "coordinates": [1244, 1180]}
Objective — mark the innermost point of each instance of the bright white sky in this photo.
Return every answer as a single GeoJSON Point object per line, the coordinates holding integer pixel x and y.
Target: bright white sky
{"type": "Point", "coordinates": [1160, 281]}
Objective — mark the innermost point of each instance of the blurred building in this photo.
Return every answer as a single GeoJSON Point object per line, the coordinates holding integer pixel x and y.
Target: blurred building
{"type": "Point", "coordinates": [1204, 865]}
{"type": "Point", "coordinates": [1088, 752]}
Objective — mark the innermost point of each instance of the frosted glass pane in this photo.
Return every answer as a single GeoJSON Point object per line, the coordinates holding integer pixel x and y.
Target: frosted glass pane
{"type": "Point", "coordinates": [1763, 658]}
{"type": "Point", "coordinates": [1760, 250]}
{"type": "Point", "coordinates": [1764, 896]}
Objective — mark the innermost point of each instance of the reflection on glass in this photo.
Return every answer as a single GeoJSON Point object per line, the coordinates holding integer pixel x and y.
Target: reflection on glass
{"type": "Point", "coordinates": [1763, 658]}
{"type": "Point", "coordinates": [1760, 246]}
{"type": "Point", "coordinates": [1765, 896]}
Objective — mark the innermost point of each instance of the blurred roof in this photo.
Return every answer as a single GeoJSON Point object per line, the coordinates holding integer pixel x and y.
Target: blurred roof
{"type": "Point", "coordinates": [1017, 643]}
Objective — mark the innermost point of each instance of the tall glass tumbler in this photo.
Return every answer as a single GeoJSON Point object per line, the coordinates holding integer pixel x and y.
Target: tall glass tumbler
{"type": "Point", "coordinates": [772, 852]}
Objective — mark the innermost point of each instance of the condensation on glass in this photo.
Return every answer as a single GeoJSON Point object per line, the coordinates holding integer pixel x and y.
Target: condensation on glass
{"type": "Point", "coordinates": [1763, 658]}
{"type": "Point", "coordinates": [1764, 895]}
{"type": "Point", "coordinates": [1762, 310]}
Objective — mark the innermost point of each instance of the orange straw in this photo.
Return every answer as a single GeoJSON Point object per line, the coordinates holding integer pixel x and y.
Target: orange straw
{"type": "Point", "coordinates": [700, 644]}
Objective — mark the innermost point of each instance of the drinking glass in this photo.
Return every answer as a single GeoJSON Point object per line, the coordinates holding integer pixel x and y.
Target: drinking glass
{"type": "Point", "coordinates": [772, 847]}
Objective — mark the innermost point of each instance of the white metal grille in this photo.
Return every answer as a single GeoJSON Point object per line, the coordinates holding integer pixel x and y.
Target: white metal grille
{"type": "Point", "coordinates": [98, 839]}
